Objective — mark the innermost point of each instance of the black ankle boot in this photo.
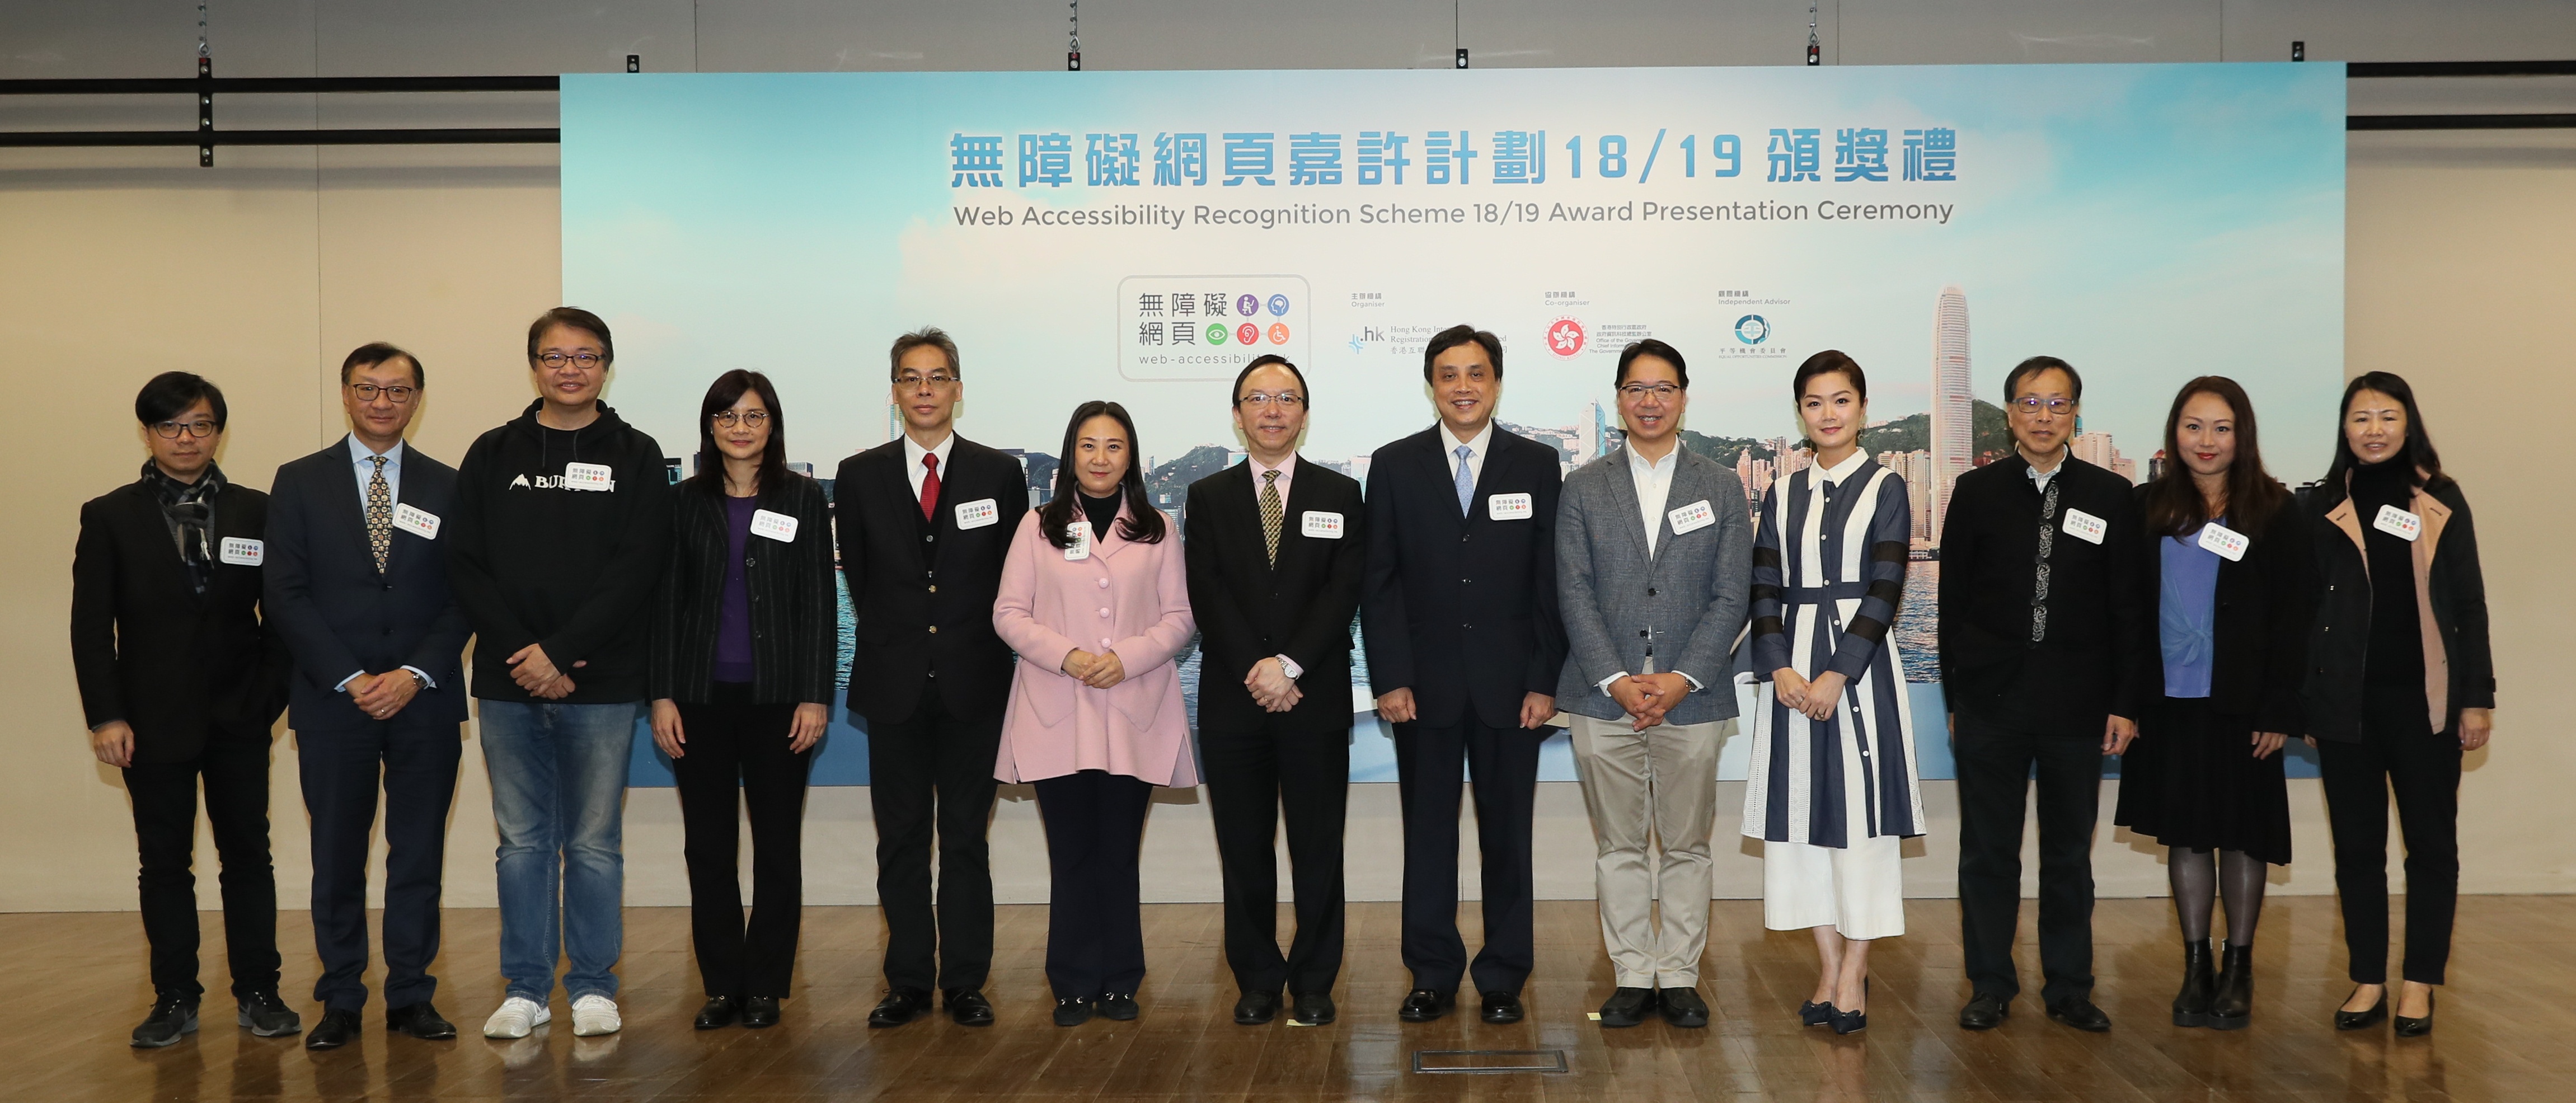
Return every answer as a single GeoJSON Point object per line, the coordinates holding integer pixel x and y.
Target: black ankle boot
{"type": "Point", "coordinates": [2191, 1006]}
{"type": "Point", "coordinates": [2233, 1005]}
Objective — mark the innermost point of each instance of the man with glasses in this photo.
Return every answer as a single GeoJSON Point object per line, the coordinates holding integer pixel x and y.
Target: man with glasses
{"type": "Point", "coordinates": [561, 529]}
{"type": "Point", "coordinates": [1276, 551]}
{"type": "Point", "coordinates": [357, 585]}
{"type": "Point", "coordinates": [179, 681]}
{"type": "Point", "coordinates": [2047, 653]}
{"type": "Point", "coordinates": [924, 522]}
{"type": "Point", "coordinates": [1654, 568]}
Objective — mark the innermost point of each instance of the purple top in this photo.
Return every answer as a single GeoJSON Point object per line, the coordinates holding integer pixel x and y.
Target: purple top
{"type": "Point", "coordinates": [733, 613]}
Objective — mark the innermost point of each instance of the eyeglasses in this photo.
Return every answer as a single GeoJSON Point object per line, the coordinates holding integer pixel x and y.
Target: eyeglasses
{"type": "Point", "coordinates": [1641, 391]}
{"type": "Point", "coordinates": [727, 419]}
{"type": "Point", "coordinates": [583, 360]}
{"type": "Point", "coordinates": [935, 379]}
{"type": "Point", "coordinates": [1285, 401]}
{"type": "Point", "coordinates": [367, 392]}
{"type": "Point", "coordinates": [2034, 405]}
{"type": "Point", "coordinates": [170, 430]}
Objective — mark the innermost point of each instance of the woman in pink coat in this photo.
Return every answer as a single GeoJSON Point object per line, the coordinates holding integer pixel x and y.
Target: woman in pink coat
{"type": "Point", "coordinates": [1095, 602]}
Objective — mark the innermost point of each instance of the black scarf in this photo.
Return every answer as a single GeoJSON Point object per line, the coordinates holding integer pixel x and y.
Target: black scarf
{"type": "Point", "coordinates": [189, 509]}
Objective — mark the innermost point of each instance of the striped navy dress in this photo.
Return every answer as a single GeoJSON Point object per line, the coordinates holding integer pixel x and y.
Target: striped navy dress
{"type": "Point", "coordinates": [1828, 571]}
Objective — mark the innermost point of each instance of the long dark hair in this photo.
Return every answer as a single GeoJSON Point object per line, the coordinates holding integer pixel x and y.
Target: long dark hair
{"type": "Point", "coordinates": [1144, 523]}
{"type": "Point", "coordinates": [721, 395]}
{"type": "Point", "coordinates": [2175, 506]}
{"type": "Point", "coordinates": [2423, 466]}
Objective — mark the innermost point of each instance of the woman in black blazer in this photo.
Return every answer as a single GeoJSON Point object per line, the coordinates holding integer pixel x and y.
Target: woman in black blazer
{"type": "Point", "coordinates": [745, 638]}
{"type": "Point", "coordinates": [2400, 684]}
{"type": "Point", "coordinates": [2228, 566]}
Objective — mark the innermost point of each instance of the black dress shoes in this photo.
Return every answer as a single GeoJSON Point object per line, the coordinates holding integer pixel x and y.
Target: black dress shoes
{"type": "Point", "coordinates": [1117, 1007]}
{"type": "Point", "coordinates": [1985, 1011]}
{"type": "Point", "coordinates": [2080, 1013]}
{"type": "Point", "coordinates": [1502, 1007]}
{"type": "Point", "coordinates": [720, 1012]}
{"type": "Point", "coordinates": [1072, 1011]}
{"type": "Point", "coordinates": [2199, 984]}
{"type": "Point", "coordinates": [337, 1028]}
{"type": "Point", "coordinates": [1682, 1007]}
{"type": "Point", "coordinates": [173, 1016]}
{"type": "Point", "coordinates": [1256, 1008]}
{"type": "Point", "coordinates": [268, 1016]}
{"type": "Point", "coordinates": [1423, 1005]}
{"type": "Point", "coordinates": [2415, 1028]}
{"type": "Point", "coordinates": [420, 1020]}
{"type": "Point", "coordinates": [761, 1012]}
{"type": "Point", "coordinates": [1627, 1006]}
{"type": "Point", "coordinates": [1315, 1009]}
{"type": "Point", "coordinates": [2231, 1004]}
{"type": "Point", "coordinates": [900, 1006]}
{"type": "Point", "coordinates": [968, 1007]}
{"type": "Point", "coordinates": [2363, 1020]}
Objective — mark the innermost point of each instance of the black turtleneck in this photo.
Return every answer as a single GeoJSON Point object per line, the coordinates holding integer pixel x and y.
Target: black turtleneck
{"type": "Point", "coordinates": [1102, 512]}
{"type": "Point", "coordinates": [2396, 659]}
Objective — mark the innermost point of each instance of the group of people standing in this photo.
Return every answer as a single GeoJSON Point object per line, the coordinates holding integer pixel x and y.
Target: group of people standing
{"type": "Point", "coordinates": [2194, 624]}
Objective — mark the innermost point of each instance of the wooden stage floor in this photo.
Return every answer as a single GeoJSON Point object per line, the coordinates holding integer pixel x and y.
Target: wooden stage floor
{"type": "Point", "coordinates": [2506, 1024]}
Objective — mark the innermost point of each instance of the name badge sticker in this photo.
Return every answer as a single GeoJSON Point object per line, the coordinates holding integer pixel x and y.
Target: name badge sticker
{"type": "Point", "coordinates": [1081, 548]}
{"type": "Point", "coordinates": [776, 526]}
{"type": "Point", "coordinates": [589, 476]}
{"type": "Point", "coordinates": [2223, 542]}
{"type": "Point", "coordinates": [1692, 517]}
{"type": "Point", "coordinates": [2398, 523]}
{"type": "Point", "coordinates": [1507, 507]}
{"type": "Point", "coordinates": [416, 521]}
{"type": "Point", "coordinates": [2084, 526]}
{"type": "Point", "coordinates": [242, 551]}
{"type": "Point", "coordinates": [1322, 525]}
{"type": "Point", "coordinates": [978, 513]}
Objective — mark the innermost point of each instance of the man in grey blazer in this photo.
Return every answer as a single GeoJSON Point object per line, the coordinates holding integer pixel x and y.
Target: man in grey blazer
{"type": "Point", "coordinates": [1654, 563]}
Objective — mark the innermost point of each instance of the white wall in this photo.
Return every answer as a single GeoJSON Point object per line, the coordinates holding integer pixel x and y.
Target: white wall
{"type": "Point", "coordinates": [260, 272]}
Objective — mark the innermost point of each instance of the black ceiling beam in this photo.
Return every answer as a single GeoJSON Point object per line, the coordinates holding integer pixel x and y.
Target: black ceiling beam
{"type": "Point", "coordinates": [2372, 69]}
{"type": "Point", "coordinates": [115, 86]}
{"type": "Point", "coordinates": [2460, 122]}
{"type": "Point", "coordinates": [403, 136]}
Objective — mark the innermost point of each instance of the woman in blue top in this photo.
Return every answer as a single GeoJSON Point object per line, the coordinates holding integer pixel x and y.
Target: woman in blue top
{"type": "Point", "coordinates": [2230, 575]}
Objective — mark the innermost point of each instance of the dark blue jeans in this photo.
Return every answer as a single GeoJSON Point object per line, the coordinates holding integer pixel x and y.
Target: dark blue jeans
{"type": "Point", "coordinates": [558, 795]}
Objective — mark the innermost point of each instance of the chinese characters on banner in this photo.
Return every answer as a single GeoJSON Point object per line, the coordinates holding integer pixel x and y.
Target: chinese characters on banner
{"type": "Point", "coordinates": [1437, 157]}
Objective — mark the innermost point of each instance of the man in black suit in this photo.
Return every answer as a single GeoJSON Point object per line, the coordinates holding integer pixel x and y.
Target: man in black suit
{"type": "Point", "coordinates": [924, 522]}
{"type": "Point", "coordinates": [1465, 669]}
{"type": "Point", "coordinates": [179, 680]}
{"type": "Point", "coordinates": [357, 585]}
{"type": "Point", "coordinates": [2047, 652]}
{"type": "Point", "coordinates": [1275, 559]}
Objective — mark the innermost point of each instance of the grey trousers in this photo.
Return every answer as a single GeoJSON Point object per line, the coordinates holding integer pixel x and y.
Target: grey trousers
{"type": "Point", "coordinates": [1651, 791]}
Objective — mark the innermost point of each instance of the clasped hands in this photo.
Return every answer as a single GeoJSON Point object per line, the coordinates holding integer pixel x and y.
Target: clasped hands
{"type": "Point", "coordinates": [1099, 670]}
{"type": "Point", "coordinates": [380, 696]}
{"type": "Point", "coordinates": [537, 674]}
{"type": "Point", "coordinates": [1271, 686]}
{"type": "Point", "coordinates": [1814, 699]}
{"type": "Point", "coordinates": [1647, 697]}
{"type": "Point", "coordinates": [803, 729]}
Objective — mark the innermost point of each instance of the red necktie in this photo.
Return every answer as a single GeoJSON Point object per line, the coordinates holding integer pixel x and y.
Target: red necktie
{"type": "Point", "coordinates": [930, 486]}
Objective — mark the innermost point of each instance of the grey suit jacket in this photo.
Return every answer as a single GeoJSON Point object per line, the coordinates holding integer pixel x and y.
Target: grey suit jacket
{"type": "Point", "coordinates": [1686, 602]}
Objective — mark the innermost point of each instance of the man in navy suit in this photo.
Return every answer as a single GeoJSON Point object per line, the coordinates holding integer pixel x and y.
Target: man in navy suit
{"type": "Point", "coordinates": [357, 584]}
{"type": "Point", "coordinates": [1459, 613]}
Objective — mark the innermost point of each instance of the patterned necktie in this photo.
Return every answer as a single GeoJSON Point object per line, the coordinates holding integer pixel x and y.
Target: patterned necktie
{"type": "Point", "coordinates": [1466, 479]}
{"type": "Point", "coordinates": [2047, 545]}
{"type": "Point", "coordinates": [1271, 514]}
{"type": "Point", "coordinates": [380, 515]}
{"type": "Point", "coordinates": [930, 486]}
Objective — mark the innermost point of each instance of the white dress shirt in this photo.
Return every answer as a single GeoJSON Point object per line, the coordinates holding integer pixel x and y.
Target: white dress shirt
{"type": "Point", "coordinates": [364, 459]}
{"type": "Point", "coordinates": [2039, 478]}
{"type": "Point", "coordinates": [1287, 470]}
{"type": "Point", "coordinates": [1476, 449]}
{"type": "Point", "coordinates": [912, 453]}
{"type": "Point", "coordinates": [1654, 481]}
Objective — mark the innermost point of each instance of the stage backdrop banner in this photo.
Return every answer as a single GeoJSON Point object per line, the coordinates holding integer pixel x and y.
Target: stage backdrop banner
{"type": "Point", "coordinates": [1140, 236]}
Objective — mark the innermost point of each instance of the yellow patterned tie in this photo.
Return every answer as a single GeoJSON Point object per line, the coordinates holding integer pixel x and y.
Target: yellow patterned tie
{"type": "Point", "coordinates": [380, 515]}
{"type": "Point", "coordinates": [1271, 514]}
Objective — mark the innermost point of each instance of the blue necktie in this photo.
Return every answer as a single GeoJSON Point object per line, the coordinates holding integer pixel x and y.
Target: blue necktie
{"type": "Point", "coordinates": [1466, 479]}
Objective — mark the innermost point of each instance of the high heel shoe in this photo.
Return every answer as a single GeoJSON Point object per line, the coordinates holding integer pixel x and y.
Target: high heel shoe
{"type": "Point", "coordinates": [2232, 1006]}
{"type": "Point", "coordinates": [2415, 1028]}
{"type": "Point", "coordinates": [2191, 1005]}
{"type": "Point", "coordinates": [1812, 1013]}
{"type": "Point", "coordinates": [2363, 1020]}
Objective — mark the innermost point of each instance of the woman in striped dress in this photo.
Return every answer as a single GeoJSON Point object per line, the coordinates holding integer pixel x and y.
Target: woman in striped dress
{"type": "Point", "coordinates": [1833, 784]}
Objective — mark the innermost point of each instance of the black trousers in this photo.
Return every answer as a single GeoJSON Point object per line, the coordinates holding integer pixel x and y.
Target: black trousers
{"type": "Point", "coordinates": [738, 756]}
{"type": "Point", "coordinates": [1504, 765]}
{"type": "Point", "coordinates": [934, 756]}
{"type": "Point", "coordinates": [341, 767]}
{"type": "Point", "coordinates": [1095, 821]}
{"type": "Point", "coordinates": [1250, 775]}
{"type": "Point", "coordinates": [2398, 752]}
{"type": "Point", "coordinates": [235, 772]}
{"type": "Point", "coordinates": [1995, 765]}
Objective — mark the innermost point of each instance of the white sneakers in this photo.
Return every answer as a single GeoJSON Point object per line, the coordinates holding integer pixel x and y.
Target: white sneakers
{"type": "Point", "coordinates": [518, 1015]}
{"type": "Point", "coordinates": [594, 1015]}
